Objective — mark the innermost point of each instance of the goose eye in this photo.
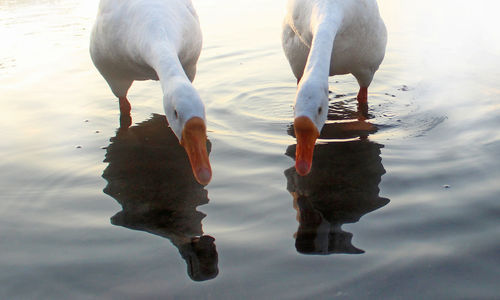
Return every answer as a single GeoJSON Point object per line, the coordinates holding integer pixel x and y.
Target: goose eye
{"type": "Point", "coordinates": [176, 114]}
{"type": "Point", "coordinates": [320, 110]}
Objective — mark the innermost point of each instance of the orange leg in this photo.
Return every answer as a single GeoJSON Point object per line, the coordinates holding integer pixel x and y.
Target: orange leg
{"type": "Point", "coordinates": [124, 105]}
{"type": "Point", "coordinates": [125, 118]}
{"type": "Point", "coordinates": [363, 103]}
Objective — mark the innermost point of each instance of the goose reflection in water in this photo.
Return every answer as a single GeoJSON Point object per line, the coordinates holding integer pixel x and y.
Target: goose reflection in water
{"type": "Point", "coordinates": [150, 176]}
{"type": "Point", "coordinates": [341, 188]}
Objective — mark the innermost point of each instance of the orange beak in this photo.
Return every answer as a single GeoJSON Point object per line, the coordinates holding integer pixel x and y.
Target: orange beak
{"type": "Point", "coordinates": [306, 134]}
{"type": "Point", "coordinates": [194, 140]}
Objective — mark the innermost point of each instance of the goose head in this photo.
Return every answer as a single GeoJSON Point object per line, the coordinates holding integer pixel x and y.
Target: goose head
{"type": "Point", "coordinates": [185, 113]}
{"type": "Point", "coordinates": [311, 110]}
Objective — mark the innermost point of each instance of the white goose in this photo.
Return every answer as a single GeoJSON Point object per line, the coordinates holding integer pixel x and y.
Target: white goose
{"type": "Point", "coordinates": [158, 40]}
{"type": "Point", "coordinates": [323, 38]}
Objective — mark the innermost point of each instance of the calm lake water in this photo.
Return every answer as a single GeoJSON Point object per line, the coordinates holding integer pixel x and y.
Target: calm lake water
{"type": "Point", "coordinates": [411, 211]}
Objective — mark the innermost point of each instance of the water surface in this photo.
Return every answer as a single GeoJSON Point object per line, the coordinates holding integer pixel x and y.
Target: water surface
{"type": "Point", "coordinates": [409, 211]}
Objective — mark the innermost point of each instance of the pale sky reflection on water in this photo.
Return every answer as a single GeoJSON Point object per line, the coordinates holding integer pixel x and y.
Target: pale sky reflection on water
{"type": "Point", "coordinates": [435, 98]}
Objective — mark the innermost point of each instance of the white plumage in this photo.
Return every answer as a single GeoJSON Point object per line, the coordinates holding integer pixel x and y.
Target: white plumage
{"type": "Point", "coordinates": [159, 40]}
{"type": "Point", "coordinates": [323, 38]}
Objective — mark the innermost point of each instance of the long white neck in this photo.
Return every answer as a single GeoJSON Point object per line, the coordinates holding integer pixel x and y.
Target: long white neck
{"type": "Point", "coordinates": [324, 23]}
{"type": "Point", "coordinates": [165, 62]}
{"type": "Point", "coordinates": [312, 93]}
{"type": "Point", "coordinates": [175, 82]}
{"type": "Point", "coordinates": [181, 101]}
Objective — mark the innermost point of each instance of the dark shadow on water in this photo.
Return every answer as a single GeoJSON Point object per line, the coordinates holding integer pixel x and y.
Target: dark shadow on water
{"type": "Point", "coordinates": [341, 188]}
{"type": "Point", "coordinates": [149, 175]}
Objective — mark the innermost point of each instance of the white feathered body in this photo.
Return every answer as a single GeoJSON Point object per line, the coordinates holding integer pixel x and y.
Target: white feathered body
{"type": "Point", "coordinates": [159, 40]}
{"type": "Point", "coordinates": [133, 39]}
{"type": "Point", "coordinates": [360, 35]}
{"type": "Point", "coordinates": [322, 38]}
